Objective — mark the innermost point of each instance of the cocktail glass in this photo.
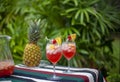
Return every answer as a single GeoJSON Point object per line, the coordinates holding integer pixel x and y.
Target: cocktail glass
{"type": "Point", "coordinates": [68, 50]}
{"type": "Point", "coordinates": [53, 54]}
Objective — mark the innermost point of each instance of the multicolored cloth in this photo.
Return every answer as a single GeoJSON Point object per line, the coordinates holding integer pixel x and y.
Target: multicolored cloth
{"type": "Point", "coordinates": [41, 74]}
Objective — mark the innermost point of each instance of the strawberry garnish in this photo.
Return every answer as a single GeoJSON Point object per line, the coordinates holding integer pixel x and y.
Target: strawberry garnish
{"type": "Point", "coordinates": [54, 41]}
{"type": "Point", "coordinates": [69, 38]}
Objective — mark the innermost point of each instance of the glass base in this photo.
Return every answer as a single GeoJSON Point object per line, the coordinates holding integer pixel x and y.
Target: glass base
{"type": "Point", "coordinates": [54, 77]}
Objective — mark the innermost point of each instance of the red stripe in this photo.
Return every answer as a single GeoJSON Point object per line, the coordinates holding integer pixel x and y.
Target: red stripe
{"type": "Point", "coordinates": [85, 78]}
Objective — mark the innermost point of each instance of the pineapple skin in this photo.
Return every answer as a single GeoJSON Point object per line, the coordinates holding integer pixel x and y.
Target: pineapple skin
{"type": "Point", "coordinates": [32, 55]}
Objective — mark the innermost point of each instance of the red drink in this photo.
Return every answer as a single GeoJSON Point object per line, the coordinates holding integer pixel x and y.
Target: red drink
{"type": "Point", "coordinates": [53, 53]}
{"type": "Point", "coordinates": [6, 68]}
{"type": "Point", "coordinates": [69, 50]}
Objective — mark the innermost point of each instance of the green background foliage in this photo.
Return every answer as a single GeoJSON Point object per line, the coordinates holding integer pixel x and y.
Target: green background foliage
{"type": "Point", "coordinates": [92, 21]}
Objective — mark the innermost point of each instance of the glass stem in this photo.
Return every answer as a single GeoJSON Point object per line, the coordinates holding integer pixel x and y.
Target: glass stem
{"type": "Point", "coordinates": [54, 75]}
{"type": "Point", "coordinates": [68, 65]}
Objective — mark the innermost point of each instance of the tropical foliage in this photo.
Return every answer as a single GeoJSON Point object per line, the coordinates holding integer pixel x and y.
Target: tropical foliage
{"type": "Point", "coordinates": [91, 20]}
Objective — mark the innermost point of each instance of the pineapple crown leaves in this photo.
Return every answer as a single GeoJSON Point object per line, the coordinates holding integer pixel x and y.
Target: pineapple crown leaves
{"type": "Point", "coordinates": [34, 31]}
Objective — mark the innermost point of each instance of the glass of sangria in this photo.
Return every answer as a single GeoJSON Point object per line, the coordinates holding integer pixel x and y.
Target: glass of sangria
{"type": "Point", "coordinates": [69, 50]}
{"type": "Point", "coordinates": [53, 54]}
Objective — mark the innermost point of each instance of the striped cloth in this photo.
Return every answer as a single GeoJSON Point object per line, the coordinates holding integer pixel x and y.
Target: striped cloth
{"type": "Point", "coordinates": [41, 74]}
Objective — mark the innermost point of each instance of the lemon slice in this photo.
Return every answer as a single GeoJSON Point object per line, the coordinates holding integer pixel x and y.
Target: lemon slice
{"type": "Point", "coordinates": [51, 47]}
{"type": "Point", "coordinates": [73, 36]}
{"type": "Point", "coordinates": [58, 39]}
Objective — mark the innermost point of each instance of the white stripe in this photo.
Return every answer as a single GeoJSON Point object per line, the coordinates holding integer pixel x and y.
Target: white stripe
{"type": "Point", "coordinates": [104, 80]}
{"type": "Point", "coordinates": [36, 80]}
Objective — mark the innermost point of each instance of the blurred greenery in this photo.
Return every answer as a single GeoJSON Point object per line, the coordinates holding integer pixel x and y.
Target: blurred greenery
{"type": "Point", "coordinates": [114, 74]}
{"type": "Point", "coordinates": [91, 20]}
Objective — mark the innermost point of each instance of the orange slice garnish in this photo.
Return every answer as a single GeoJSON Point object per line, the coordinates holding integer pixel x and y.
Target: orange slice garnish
{"type": "Point", "coordinates": [58, 39]}
{"type": "Point", "coordinates": [73, 36]}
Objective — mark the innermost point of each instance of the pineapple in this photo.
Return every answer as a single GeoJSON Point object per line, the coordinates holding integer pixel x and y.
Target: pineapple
{"type": "Point", "coordinates": [32, 53]}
